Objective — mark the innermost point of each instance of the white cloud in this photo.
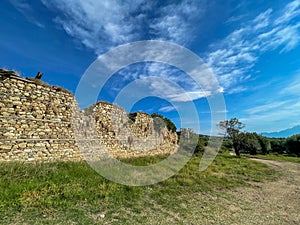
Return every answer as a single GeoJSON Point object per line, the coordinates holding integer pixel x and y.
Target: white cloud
{"type": "Point", "coordinates": [234, 19]}
{"type": "Point", "coordinates": [290, 12]}
{"type": "Point", "coordinates": [262, 20]}
{"type": "Point", "coordinates": [267, 107]}
{"type": "Point", "coordinates": [236, 89]}
{"type": "Point", "coordinates": [190, 89]}
{"type": "Point", "coordinates": [101, 25]}
{"type": "Point", "coordinates": [166, 109]}
{"type": "Point", "coordinates": [188, 96]}
{"type": "Point", "coordinates": [292, 88]}
{"type": "Point", "coordinates": [235, 55]}
{"type": "Point", "coordinates": [25, 8]}
{"type": "Point", "coordinates": [284, 106]}
{"type": "Point", "coordinates": [166, 89]}
{"type": "Point", "coordinates": [98, 25]}
{"type": "Point", "coordinates": [175, 24]}
{"type": "Point", "coordinates": [271, 119]}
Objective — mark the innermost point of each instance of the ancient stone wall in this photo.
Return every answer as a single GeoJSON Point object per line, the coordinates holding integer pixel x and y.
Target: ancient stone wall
{"type": "Point", "coordinates": [123, 137]}
{"type": "Point", "coordinates": [37, 123]}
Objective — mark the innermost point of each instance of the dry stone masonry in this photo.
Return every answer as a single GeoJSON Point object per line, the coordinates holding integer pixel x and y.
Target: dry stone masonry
{"type": "Point", "coordinates": [43, 122]}
{"type": "Point", "coordinates": [35, 120]}
{"type": "Point", "coordinates": [126, 138]}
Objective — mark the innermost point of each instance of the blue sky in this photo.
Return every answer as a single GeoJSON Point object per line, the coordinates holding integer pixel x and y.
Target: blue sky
{"type": "Point", "coordinates": [252, 47]}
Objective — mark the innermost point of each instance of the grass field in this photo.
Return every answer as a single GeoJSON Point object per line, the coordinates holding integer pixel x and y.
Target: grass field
{"type": "Point", "coordinates": [279, 157]}
{"type": "Point", "coordinates": [72, 193]}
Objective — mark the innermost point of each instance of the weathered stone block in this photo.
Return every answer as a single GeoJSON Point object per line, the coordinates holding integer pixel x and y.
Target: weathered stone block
{"type": "Point", "coordinates": [22, 145]}
{"type": "Point", "coordinates": [5, 148]}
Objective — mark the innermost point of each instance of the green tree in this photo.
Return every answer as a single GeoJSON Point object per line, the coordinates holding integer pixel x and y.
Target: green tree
{"type": "Point", "coordinates": [227, 144]}
{"type": "Point", "coordinates": [232, 129]}
{"type": "Point", "coordinates": [201, 144]}
{"type": "Point", "coordinates": [248, 143]}
{"type": "Point", "coordinates": [264, 143]}
{"type": "Point", "coordinates": [252, 143]}
{"type": "Point", "coordinates": [293, 144]}
{"type": "Point", "coordinates": [278, 145]}
{"type": "Point", "coordinates": [169, 124]}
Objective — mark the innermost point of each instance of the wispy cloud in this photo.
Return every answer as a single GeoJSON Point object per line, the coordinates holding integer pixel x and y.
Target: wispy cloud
{"type": "Point", "coordinates": [284, 107]}
{"type": "Point", "coordinates": [179, 88]}
{"type": "Point", "coordinates": [166, 109]}
{"type": "Point", "coordinates": [26, 9]}
{"type": "Point", "coordinates": [101, 25]}
{"type": "Point", "coordinates": [172, 91]}
{"type": "Point", "coordinates": [290, 12]}
{"type": "Point", "coordinates": [274, 106]}
{"type": "Point", "coordinates": [234, 56]}
{"type": "Point", "coordinates": [176, 20]}
{"type": "Point", "coordinates": [293, 88]}
{"type": "Point", "coordinates": [234, 19]}
{"type": "Point", "coordinates": [271, 120]}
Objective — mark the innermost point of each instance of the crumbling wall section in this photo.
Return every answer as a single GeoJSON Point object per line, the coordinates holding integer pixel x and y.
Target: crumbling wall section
{"type": "Point", "coordinates": [123, 137]}
{"type": "Point", "coordinates": [37, 123]}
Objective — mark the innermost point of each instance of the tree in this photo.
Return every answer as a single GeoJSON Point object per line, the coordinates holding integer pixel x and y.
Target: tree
{"type": "Point", "coordinates": [232, 129]}
{"type": "Point", "coordinates": [293, 144]}
{"type": "Point", "coordinates": [264, 143]}
{"type": "Point", "coordinates": [227, 144]}
{"type": "Point", "coordinates": [202, 143]}
{"type": "Point", "coordinates": [249, 143]}
{"type": "Point", "coordinates": [169, 124]}
{"type": "Point", "coordinates": [278, 145]}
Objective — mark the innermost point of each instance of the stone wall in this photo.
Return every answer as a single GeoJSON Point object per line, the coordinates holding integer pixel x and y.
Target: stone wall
{"type": "Point", "coordinates": [123, 137]}
{"type": "Point", "coordinates": [37, 122]}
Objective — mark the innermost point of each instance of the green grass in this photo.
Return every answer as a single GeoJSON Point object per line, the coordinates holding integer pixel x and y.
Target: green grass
{"type": "Point", "coordinates": [287, 158]}
{"type": "Point", "coordinates": [72, 193]}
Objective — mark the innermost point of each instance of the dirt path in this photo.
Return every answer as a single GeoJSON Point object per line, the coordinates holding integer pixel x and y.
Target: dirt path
{"type": "Point", "coordinates": [265, 203]}
{"type": "Point", "coordinates": [272, 202]}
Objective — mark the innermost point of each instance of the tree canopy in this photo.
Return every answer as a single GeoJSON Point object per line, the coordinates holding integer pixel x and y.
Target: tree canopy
{"type": "Point", "coordinates": [293, 144]}
{"type": "Point", "coordinates": [253, 143]}
{"type": "Point", "coordinates": [169, 124]}
{"type": "Point", "coordinates": [232, 129]}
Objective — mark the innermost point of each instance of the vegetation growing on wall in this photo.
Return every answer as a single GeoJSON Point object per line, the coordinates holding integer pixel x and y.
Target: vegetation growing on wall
{"type": "Point", "coordinates": [132, 116]}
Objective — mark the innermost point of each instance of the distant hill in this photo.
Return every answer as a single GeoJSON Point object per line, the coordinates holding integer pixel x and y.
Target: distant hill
{"type": "Point", "coordinates": [284, 133]}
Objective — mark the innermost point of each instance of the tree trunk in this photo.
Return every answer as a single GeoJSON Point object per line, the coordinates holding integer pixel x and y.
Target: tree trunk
{"type": "Point", "coordinates": [237, 152]}
{"type": "Point", "coordinates": [236, 148]}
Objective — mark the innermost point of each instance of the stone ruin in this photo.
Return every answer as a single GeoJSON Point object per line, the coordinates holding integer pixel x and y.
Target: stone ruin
{"type": "Point", "coordinates": [43, 122]}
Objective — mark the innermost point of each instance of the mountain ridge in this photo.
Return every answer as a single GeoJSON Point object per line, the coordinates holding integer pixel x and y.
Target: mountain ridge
{"type": "Point", "coordinates": [283, 133]}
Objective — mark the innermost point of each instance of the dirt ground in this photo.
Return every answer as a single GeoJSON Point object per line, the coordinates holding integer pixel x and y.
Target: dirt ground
{"type": "Point", "coordinates": [271, 202]}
